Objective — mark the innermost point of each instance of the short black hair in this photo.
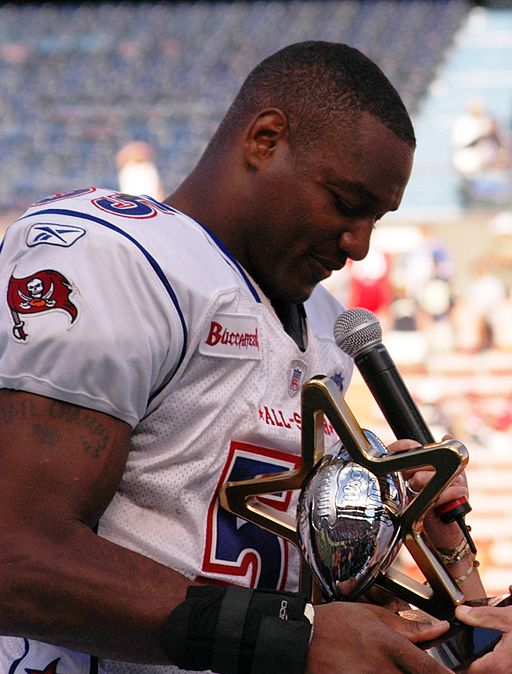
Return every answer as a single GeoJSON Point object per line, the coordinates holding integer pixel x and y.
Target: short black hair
{"type": "Point", "coordinates": [312, 83]}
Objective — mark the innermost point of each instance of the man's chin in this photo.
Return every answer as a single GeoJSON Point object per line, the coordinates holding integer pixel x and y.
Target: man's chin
{"type": "Point", "coordinates": [295, 293]}
{"type": "Point", "coordinates": [299, 295]}
{"type": "Point", "coordinates": [288, 297]}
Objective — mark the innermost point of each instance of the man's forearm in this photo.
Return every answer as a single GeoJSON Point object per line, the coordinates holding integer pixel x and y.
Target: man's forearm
{"type": "Point", "coordinates": [78, 590]}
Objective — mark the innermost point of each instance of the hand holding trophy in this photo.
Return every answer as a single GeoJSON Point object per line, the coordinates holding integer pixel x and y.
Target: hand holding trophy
{"type": "Point", "coordinates": [354, 511]}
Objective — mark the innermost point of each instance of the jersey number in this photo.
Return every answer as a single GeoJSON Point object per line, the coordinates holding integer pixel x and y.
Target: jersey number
{"type": "Point", "coordinates": [235, 547]}
{"type": "Point", "coordinates": [129, 206]}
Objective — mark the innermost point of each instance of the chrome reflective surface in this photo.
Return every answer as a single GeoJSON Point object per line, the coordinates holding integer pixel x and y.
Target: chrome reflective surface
{"type": "Point", "coordinates": [348, 522]}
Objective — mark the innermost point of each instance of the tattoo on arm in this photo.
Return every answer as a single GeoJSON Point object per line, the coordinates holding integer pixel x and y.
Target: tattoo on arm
{"type": "Point", "coordinates": [99, 440]}
{"type": "Point", "coordinates": [10, 411]}
{"type": "Point", "coordinates": [95, 444]}
{"type": "Point", "coordinates": [47, 436]}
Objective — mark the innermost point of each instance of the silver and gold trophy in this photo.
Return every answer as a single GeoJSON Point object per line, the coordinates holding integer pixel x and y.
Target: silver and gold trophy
{"type": "Point", "coordinates": [355, 514]}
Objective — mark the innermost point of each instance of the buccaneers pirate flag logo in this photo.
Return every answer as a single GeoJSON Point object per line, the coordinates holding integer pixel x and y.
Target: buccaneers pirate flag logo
{"type": "Point", "coordinates": [46, 290]}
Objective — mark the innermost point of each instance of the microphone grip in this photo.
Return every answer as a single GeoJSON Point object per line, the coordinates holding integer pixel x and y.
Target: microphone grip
{"type": "Point", "coordinates": [404, 418]}
{"type": "Point", "coordinates": [380, 374]}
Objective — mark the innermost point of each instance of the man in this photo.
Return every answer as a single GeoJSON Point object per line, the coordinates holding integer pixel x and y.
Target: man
{"type": "Point", "coordinates": [151, 352]}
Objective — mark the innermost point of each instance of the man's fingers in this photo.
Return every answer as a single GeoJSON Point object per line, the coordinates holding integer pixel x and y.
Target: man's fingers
{"type": "Point", "coordinates": [402, 445]}
{"type": "Point", "coordinates": [413, 660]}
{"type": "Point", "coordinates": [415, 631]}
{"type": "Point", "coordinates": [343, 633]}
{"type": "Point", "coordinates": [484, 616]}
{"type": "Point", "coordinates": [421, 631]}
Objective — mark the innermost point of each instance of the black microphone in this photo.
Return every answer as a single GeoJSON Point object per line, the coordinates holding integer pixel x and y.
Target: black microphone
{"type": "Point", "coordinates": [358, 333]}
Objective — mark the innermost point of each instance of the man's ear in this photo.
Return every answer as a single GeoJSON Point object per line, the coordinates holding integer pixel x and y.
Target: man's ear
{"type": "Point", "coordinates": [267, 131]}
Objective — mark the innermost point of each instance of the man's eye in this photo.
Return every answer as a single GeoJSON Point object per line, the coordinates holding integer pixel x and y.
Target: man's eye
{"type": "Point", "coordinates": [343, 207]}
{"type": "Point", "coordinates": [360, 211]}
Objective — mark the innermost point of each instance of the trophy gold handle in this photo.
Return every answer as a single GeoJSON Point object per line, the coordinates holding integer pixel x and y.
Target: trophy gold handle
{"type": "Point", "coordinates": [321, 398]}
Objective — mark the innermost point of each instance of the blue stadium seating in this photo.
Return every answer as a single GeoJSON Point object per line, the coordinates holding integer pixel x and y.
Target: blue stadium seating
{"type": "Point", "coordinates": [79, 81]}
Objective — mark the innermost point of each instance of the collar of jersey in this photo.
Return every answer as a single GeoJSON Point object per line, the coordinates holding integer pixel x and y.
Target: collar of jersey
{"type": "Point", "coordinates": [228, 257]}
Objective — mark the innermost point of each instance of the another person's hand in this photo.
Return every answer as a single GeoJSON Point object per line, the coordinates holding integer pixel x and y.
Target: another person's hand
{"type": "Point", "coordinates": [442, 535]}
{"type": "Point", "coordinates": [448, 539]}
{"type": "Point", "coordinates": [499, 660]}
{"type": "Point", "coordinates": [360, 638]}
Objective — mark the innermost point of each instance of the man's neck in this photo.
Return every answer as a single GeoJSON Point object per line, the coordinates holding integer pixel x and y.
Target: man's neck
{"type": "Point", "coordinates": [293, 318]}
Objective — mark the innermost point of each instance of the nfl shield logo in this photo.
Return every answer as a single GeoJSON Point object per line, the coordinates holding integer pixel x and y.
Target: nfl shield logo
{"type": "Point", "coordinates": [297, 377]}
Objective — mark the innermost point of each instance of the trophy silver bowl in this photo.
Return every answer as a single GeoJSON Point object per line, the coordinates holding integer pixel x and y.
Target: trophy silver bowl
{"type": "Point", "coordinates": [348, 522]}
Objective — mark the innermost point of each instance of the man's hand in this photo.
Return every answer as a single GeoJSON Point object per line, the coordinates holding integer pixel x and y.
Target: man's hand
{"type": "Point", "coordinates": [499, 661]}
{"type": "Point", "coordinates": [360, 638]}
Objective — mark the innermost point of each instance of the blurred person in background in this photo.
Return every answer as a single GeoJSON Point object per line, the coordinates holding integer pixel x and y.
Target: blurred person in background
{"type": "Point", "coordinates": [476, 143]}
{"type": "Point", "coordinates": [369, 284]}
{"type": "Point", "coordinates": [418, 313]}
{"type": "Point", "coordinates": [500, 320]}
{"type": "Point", "coordinates": [474, 308]}
{"type": "Point", "coordinates": [136, 171]}
{"type": "Point", "coordinates": [478, 151]}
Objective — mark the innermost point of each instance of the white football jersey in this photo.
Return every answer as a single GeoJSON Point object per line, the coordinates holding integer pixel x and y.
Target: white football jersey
{"type": "Point", "coordinates": [124, 305]}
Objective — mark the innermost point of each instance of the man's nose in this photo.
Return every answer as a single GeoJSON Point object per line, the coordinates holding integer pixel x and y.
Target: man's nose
{"type": "Point", "coordinates": [356, 241]}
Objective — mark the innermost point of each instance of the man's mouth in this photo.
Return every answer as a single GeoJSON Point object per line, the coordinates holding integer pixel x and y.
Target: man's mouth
{"type": "Point", "coordinates": [330, 264]}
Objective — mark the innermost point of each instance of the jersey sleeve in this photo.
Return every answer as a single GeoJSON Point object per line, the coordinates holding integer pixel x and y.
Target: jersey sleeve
{"type": "Point", "coordinates": [87, 321]}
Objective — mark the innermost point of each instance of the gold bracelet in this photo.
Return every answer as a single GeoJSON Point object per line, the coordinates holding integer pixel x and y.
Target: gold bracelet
{"type": "Point", "coordinates": [454, 555]}
{"type": "Point", "coordinates": [474, 565]}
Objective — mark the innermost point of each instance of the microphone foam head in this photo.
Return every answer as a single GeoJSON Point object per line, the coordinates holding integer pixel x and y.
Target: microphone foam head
{"type": "Point", "coordinates": [357, 329]}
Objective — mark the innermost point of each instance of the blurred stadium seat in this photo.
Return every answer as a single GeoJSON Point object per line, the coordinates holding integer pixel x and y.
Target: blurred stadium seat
{"type": "Point", "coordinates": [81, 80]}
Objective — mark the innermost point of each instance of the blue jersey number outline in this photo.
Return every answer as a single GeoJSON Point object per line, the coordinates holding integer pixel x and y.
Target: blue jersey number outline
{"type": "Point", "coordinates": [235, 547]}
{"type": "Point", "coordinates": [129, 206]}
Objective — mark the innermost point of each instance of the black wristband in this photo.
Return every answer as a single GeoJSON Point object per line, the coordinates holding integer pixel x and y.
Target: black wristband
{"type": "Point", "coordinates": [235, 630]}
{"type": "Point", "coordinates": [229, 635]}
{"type": "Point", "coordinates": [282, 646]}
